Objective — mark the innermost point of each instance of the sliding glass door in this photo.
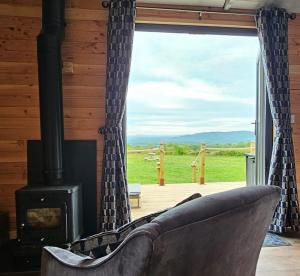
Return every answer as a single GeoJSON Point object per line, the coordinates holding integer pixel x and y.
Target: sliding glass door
{"type": "Point", "coordinates": [263, 128]}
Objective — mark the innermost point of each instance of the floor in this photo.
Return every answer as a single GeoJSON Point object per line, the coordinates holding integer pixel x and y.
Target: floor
{"type": "Point", "coordinates": [280, 261]}
{"type": "Point", "coordinates": [276, 261]}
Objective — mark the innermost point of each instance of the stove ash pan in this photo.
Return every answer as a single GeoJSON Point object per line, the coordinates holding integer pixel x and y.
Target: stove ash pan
{"type": "Point", "coordinates": [48, 215]}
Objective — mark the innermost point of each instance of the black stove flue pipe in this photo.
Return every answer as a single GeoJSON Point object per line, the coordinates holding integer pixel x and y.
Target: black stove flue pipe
{"type": "Point", "coordinates": [49, 43]}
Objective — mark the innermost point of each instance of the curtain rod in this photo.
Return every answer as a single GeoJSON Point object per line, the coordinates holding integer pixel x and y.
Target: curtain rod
{"type": "Point", "coordinates": [105, 4]}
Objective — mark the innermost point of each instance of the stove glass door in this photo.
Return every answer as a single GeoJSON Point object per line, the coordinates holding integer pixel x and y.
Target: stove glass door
{"type": "Point", "coordinates": [43, 218]}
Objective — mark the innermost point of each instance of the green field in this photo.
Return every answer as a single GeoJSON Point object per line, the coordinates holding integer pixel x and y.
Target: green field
{"type": "Point", "coordinates": [221, 166]}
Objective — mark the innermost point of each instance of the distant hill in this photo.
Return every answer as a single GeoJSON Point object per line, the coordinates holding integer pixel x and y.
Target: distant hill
{"type": "Point", "coordinates": [230, 137]}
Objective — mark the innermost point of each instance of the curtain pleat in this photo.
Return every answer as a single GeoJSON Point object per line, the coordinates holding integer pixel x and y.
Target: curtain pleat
{"type": "Point", "coordinates": [115, 209]}
{"type": "Point", "coordinates": [272, 26]}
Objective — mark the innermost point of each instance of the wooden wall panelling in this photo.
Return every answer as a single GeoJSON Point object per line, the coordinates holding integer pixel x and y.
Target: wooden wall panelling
{"type": "Point", "coordinates": [192, 18]}
{"type": "Point", "coordinates": [84, 89]}
{"type": "Point", "coordinates": [294, 61]}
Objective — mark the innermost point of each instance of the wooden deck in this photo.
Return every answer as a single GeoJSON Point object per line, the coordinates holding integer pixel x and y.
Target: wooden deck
{"type": "Point", "coordinates": [275, 261]}
{"type": "Point", "coordinates": [155, 198]}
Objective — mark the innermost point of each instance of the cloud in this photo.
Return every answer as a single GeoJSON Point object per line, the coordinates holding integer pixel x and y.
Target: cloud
{"type": "Point", "coordinates": [169, 56]}
{"type": "Point", "coordinates": [165, 94]}
{"type": "Point", "coordinates": [180, 127]}
{"type": "Point", "coordinates": [182, 84]}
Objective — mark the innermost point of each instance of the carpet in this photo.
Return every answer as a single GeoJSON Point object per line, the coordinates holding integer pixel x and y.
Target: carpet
{"type": "Point", "coordinates": [273, 240]}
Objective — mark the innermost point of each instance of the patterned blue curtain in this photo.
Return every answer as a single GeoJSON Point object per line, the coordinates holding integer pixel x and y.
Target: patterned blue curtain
{"type": "Point", "coordinates": [115, 210]}
{"type": "Point", "coordinates": [272, 26]}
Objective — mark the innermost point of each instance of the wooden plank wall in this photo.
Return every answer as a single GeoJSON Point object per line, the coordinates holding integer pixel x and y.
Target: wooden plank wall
{"type": "Point", "coordinates": [193, 18]}
{"type": "Point", "coordinates": [84, 91]}
{"type": "Point", "coordinates": [294, 61]}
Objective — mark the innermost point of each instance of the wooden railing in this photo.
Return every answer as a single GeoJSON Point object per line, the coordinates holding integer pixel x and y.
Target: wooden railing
{"type": "Point", "coordinates": [200, 157]}
{"type": "Point", "coordinates": [161, 166]}
{"type": "Point", "coordinates": [197, 164]}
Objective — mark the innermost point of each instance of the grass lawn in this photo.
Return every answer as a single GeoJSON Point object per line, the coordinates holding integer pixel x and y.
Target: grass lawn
{"type": "Point", "coordinates": [178, 169]}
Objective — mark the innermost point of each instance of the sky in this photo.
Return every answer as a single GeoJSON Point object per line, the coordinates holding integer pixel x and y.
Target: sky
{"type": "Point", "coordinates": [184, 84]}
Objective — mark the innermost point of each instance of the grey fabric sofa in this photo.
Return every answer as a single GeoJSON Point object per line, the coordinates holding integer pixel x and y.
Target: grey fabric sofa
{"type": "Point", "coordinates": [215, 235]}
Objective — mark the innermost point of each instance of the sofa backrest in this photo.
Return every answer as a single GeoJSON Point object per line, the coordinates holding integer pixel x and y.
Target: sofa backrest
{"type": "Point", "coordinates": [215, 235]}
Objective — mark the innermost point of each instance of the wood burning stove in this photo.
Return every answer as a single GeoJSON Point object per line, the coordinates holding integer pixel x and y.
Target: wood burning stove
{"type": "Point", "coordinates": [48, 213]}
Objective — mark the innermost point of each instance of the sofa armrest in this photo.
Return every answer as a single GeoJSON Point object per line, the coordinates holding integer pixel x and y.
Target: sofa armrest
{"type": "Point", "coordinates": [66, 257]}
{"type": "Point", "coordinates": [131, 258]}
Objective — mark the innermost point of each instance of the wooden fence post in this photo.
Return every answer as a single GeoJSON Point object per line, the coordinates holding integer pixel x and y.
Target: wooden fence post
{"type": "Point", "coordinates": [158, 171]}
{"type": "Point", "coordinates": [202, 163]}
{"type": "Point", "coordinates": [194, 166]}
{"type": "Point", "coordinates": [161, 159]}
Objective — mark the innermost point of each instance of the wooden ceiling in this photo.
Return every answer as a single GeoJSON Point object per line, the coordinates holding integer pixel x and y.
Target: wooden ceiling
{"type": "Point", "coordinates": [290, 5]}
